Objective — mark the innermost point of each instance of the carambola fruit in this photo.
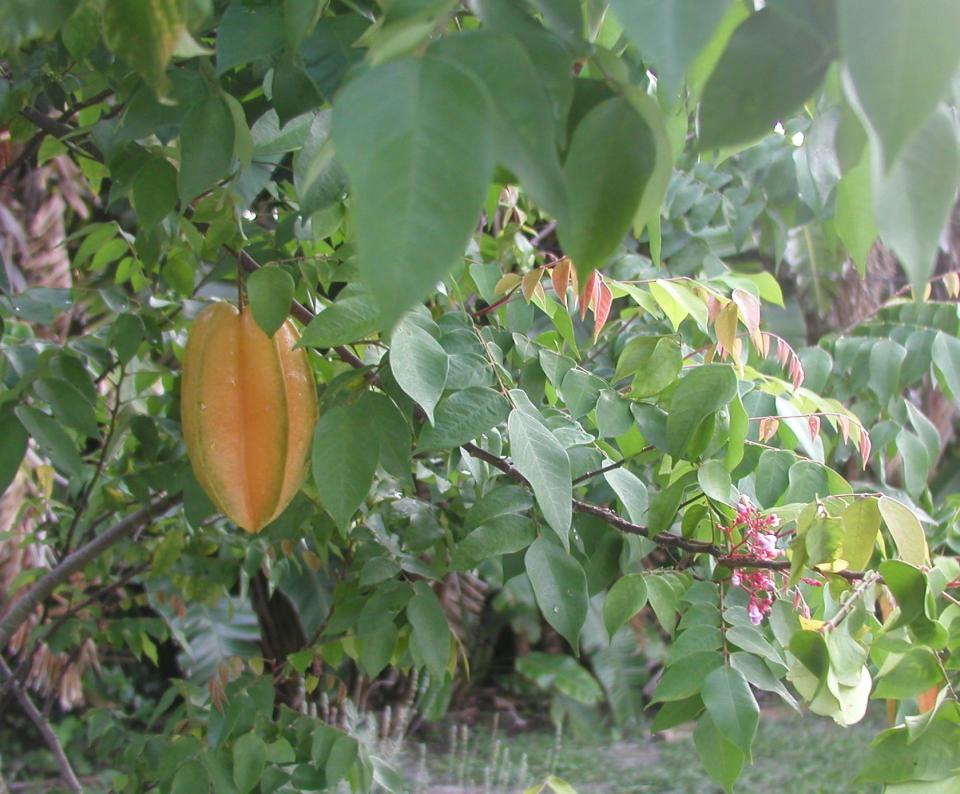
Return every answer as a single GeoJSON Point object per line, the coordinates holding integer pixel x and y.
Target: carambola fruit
{"type": "Point", "coordinates": [248, 407]}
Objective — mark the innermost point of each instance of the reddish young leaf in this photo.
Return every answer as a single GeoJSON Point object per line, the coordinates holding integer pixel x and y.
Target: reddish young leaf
{"type": "Point", "coordinates": [560, 276]}
{"type": "Point", "coordinates": [601, 307]}
{"type": "Point", "coordinates": [865, 446]}
{"type": "Point", "coordinates": [589, 296]}
{"type": "Point", "coordinates": [750, 312]}
{"type": "Point", "coordinates": [844, 422]}
{"type": "Point", "coordinates": [768, 428]}
{"type": "Point", "coordinates": [813, 422]}
{"type": "Point", "coordinates": [530, 283]}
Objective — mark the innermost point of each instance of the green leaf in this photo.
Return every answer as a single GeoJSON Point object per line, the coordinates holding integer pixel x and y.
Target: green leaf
{"type": "Point", "coordinates": [916, 462]}
{"type": "Point", "coordinates": [912, 201]}
{"type": "Point", "coordinates": [732, 706]}
{"type": "Point", "coordinates": [191, 778]}
{"type": "Point", "coordinates": [772, 63]}
{"type": "Point", "coordinates": [419, 364]}
{"type": "Point", "coordinates": [144, 33]}
{"type": "Point", "coordinates": [391, 430]}
{"type": "Point", "coordinates": [69, 405]}
{"type": "Point", "coordinates": [945, 355]}
{"type": "Point", "coordinates": [501, 535]}
{"type": "Point", "coordinates": [248, 33]}
{"type": "Point", "coordinates": [893, 758]}
{"type": "Point", "coordinates": [502, 501]}
{"type": "Point", "coordinates": [906, 530]}
{"type": "Point", "coordinates": [684, 677]}
{"type": "Point", "coordinates": [249, 759]}
{"type": "Point", "coordinates": [342, 756]}
{"type": "Point", "coordinates": [541, 458]}
{"type": "Point", "coordinates": [560, 672]}
{"type": "Point", "coordinates": [463, 416]}
{"type": "Point", "coordinates": [722, 759]}
{"type": "Point", "coordinates": [630, 490]}
{"type": "Point", "coordinates": [714, 481]}
{"type": "Point", "coordinates": [886, 358]}
{"type": "Point", "coordinates": [347, 320]}
{"type": "Point", "coordinates": [206, 147]}
{"type": "Point", "coordinates": [909, 588]}
{"type": "Point", "coordinates": [270, 290]}
{"type": "Point", "coordinates": [861, 523]}
{"type": "Point", "coordinates": [415, 138]}
{"type": "Point", "coordinates": [610, 159]}
{"type": "Point", "coordinates": [655, 362]}
{"type": "Point", "coordinates": [14, 448]}
{"type": "Point", "coordinates": [907, 675]}
{"type": "Point", "coordinates": [318, 178]}
{"type": "Point", "coordinates": [294, 92]}
{"type": "Point", "coordinates": [343, 480]}
{"type": "Point", "coordinates": [625, 599]}
{"type": "Point", "coordinates": [703, 391]}
{"type": "Point", "coordinates": [895, 92]}
{"type": "Point", "coordinates": [155, 192]}
{"type": "Point", "coordinates": [25, 20]}
{"type": "Point", "coordinates": [853, 216]}
{"type": "Point", "coordinates": [811, 649]}
{"type": "Point", "coordinates": [560, 587]}
{"type": "Point", "coordinates": [431, 634]}
{"type": "Point", "coordinates": [524, 131]}
{"type": "Point", "coordinates": [669, 34]}
{"type": "Point", "coordinates": [52, 440]}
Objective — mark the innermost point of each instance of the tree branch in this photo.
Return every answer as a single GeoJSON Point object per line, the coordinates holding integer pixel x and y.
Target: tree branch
{"type": "Point", "coordinates": [36, 595]}
{"type": "Point", "coordinates": [666, 539]}
{"type": "Point", "coordinates": [66, 771]}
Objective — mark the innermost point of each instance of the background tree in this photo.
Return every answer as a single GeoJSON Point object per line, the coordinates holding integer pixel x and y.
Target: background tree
{"type": "Point", "coordinates": [601, 328]}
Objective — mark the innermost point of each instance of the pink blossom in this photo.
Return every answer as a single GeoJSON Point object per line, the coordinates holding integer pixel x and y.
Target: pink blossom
{"type": "Point", "coordinates": [758, 541]}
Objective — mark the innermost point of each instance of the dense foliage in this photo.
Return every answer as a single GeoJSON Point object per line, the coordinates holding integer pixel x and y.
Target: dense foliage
{"type": "Point", "coordinates": [609, 363]}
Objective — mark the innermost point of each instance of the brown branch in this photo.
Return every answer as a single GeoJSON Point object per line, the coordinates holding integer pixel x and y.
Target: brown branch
{"type": "Point", "coordinates": [297, 309]}
{"type": "Point", "coordinates": [23, 607]}
{"type": "Point", "coordinates": [66, 771]}
{"type": "Point", "coordinates": [665, 539]}
{"type": "Point", "coordinates": [870, 578]}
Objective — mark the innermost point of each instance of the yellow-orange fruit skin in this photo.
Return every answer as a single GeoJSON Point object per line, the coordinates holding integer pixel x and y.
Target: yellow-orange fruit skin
{"type": "Point", "coordinates": [248, 407]}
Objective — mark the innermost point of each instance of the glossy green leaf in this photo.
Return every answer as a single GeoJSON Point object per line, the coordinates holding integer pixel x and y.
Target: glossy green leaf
{"type": "Point", "coordinates": [347, 320]}
{"type": "Point", "coordinates": [499, 535]}
{"type": "Point", "coordinates": [861, 523]}
{"type": "Point", "coordinates": [69, 405]}
{"type": "Point", "coordinates": [714, 480]}
{"type": "Point", "coordinates": [732, 706]}
{"type": "Point", "coordinates": [898, 64]}
{"type": "Point", "coordinates": [431, 634]}
{"type": "Point", "coordinates": [625, 599]}
{"type": "Point", "coordinates": [630, 490]}
{"type": "Point", "coordinates": [191, 778]}
{"type": "Point", "coordinates": [524, 131]}
{"type": "Point", "coordinates": [270, 290]}
{"type": "Point", "coordinates": [685, 677]}
{"type": "Point", "coordinates": [560, 587]}
{"type": "Point", "coordinates": [463, 416]}
{"type": "Point", "coordinates": [144, 33]}
{"type": "Point", "coordinates": [14, 448]}
{"type": "Point", "coordinates": [772, 63]}
{"type": "Point", "coordinates": [419, 365]}
{"type": "Point", "coordinates": [249, 760]}
{"type": "Point", "coordinates": [562, 673]}
{"type": "Point", "coordinates": [155, 192]}
{"type": "Point", "coordinates": [541, 458]}
{"type": "Point", "coordinates": [886, 358]}
{"type": "Point", "coordinates": [703, 391]}
{"type": "Point", "coordinates": [611, 157]}
{"type": "Point", "coordinates": [906, 530]}
{"type": "Point", "coordinates": [669, 34]}
{"type": "Point", "coordinates": [52, 440]}
{"type": "Point", "coordinates": [248, 33]}
{"type": "Point", "coordinates": [318, 178]}
{"type": "Point", "coordinates": [206, 147]}
{"type": "Point", "coordinates": [853, 216]}
{"type": "Point", "coordinates": [912, 200]}
{"type": "Point", "coordinates": [417, 190]}
{"type": "Point", "coordinates": [343, 480]}
{"type": "Point", "coordinates": [907, 675]}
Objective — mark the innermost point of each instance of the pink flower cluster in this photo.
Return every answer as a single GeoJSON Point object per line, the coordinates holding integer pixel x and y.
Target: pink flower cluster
{"type": "Point", "coordinates": [758, 540]}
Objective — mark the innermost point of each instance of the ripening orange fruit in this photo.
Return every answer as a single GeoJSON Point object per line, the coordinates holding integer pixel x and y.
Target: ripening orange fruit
{"type": "Point", "coordinates": [248, 406]}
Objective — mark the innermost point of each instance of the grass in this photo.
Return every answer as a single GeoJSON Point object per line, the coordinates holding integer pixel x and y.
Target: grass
{"type": "Point", "coordinates": [793, 754]}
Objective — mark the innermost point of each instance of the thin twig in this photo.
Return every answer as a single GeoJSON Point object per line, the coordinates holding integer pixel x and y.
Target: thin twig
{"type": "Point", "coordinates": [611, 466]}
{"type": "Point", "coordinates": [665, 539]}
{"type": "Point", "coordinates": [66, 771]}
{"type": "Point", "coordinates": [870, 578]}
{"type": "Point", "coordinates": [23, 607]}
